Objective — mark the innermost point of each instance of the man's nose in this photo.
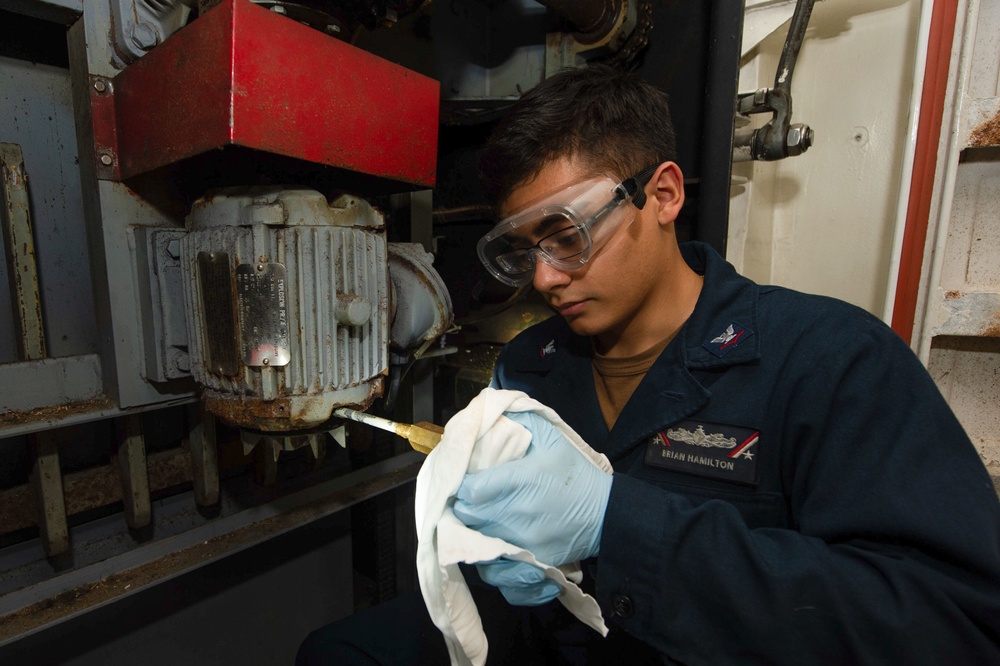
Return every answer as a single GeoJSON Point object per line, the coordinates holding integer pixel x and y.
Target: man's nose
{"type": "Point", "coordinates": [547, 277]}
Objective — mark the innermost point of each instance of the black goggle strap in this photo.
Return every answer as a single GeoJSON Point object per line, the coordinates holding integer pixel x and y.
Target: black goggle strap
{"type": "Point", "coordinates": [635, 186]}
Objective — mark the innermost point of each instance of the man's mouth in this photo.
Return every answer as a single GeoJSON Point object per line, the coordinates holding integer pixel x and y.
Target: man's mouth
{"type": "Point", "coordinates": [571, 308]}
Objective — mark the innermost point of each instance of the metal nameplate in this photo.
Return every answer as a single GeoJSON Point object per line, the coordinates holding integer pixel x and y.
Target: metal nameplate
{"type": "Point", "coordinates": [217, 303]}
{"type": "Point", "coordinates": [260, 296]}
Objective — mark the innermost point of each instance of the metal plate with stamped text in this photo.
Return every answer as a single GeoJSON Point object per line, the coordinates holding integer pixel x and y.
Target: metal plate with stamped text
{"type": "Point", "coordinates": [217, 303]}
{"type": "Point", "coordinates": [260, 297]}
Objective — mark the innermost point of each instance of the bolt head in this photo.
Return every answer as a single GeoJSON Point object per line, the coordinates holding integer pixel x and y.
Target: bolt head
{"type": "Point", "coordinates": [106, 159]}
{"type": "Point", "coordinates": [100, 85]}
{"type": "Point", "coordinates": [144, 36]}
{"type": "Point", "coordinates": [799, 139]}
{"type": "Point", "coordinates": [174, 249]}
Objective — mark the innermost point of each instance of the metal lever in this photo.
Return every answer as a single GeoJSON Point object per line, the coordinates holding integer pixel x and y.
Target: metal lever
{"type": "Point", "coordinates": [779, 138]}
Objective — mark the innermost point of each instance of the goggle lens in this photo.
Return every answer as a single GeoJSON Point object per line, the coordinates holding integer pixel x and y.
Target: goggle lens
{"type": "Point", "coordinates": [570, 231]}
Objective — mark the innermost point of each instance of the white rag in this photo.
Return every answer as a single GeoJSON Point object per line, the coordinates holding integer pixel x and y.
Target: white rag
{"type": "Point", "coordinates": [476, 438]}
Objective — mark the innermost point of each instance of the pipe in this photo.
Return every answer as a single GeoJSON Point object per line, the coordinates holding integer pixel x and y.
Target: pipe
{"type": "Point", "coordinates": [952, 160]}
{"type": "Point", "coordinates": [941, 35]}
{"type": "Point", "coordinates": [909, 151]}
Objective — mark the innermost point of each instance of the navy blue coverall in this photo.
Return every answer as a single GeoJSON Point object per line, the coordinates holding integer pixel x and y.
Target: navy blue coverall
{"type": "Point", "coordinates": [790, 487]}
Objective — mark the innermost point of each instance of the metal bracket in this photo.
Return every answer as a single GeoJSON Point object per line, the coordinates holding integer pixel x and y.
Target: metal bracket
{"type": "Point", "coordinates": [139, 25]}
{"type": "Point", "coordinates": [165, 337]}
{"type": "Point", "coordinates": [50, 500]}
{"type": "Point", "coordinates": [778, 138]}
{"type": "Point", "coordinates": [134, 474]}
{"type": "Point", "coordinates": [102, 108]}
{"type": "Point", "coordinates": [204, 456]}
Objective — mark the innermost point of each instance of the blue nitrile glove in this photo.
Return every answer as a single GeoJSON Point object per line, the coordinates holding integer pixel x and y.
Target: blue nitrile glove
{"type": "Point", "coordinates": [521, 584]}
{"type": "Point", "coordinates": [550, 502]}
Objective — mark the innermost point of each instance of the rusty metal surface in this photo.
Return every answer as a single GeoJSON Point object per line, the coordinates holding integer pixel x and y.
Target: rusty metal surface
{"type": "Point", "coordinates": [241, 75]}
{"type": "Point", "coordinates": [22, 270]}
{"type": "Point", "coordinates": [23, 422]}
{"type": "Point", "coordinates": [986, 133]}
{"type": "Point", "coordinates": [49, 416]}
{"type": "Point", "coordinates": [95, 488]}
{"type": "Point", "coordinates": [970, 314]}
{"type": "Point", "coordinates": [73, 594]}
{"type": "Point", "coordinates": [319, 316]}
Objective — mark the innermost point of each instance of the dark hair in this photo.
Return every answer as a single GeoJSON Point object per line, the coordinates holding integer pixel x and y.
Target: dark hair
{"type": "Point", "coordinates": [612, 121]}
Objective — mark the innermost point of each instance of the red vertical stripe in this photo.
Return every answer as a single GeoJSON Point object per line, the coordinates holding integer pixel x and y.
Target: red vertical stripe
{"type": "Point", "coordinates": [939, 42]}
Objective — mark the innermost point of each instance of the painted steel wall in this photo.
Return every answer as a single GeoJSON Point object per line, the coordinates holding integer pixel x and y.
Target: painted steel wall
{"type": "Point", "coordinates": [823, 222]}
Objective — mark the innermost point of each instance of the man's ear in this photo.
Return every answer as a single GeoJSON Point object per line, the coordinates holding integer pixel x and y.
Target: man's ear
{"type": "Point", "coordinates": [668, 192]}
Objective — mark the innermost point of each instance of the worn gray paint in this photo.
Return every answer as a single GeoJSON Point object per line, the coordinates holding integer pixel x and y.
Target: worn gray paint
{"type": "Point", "coordinates": [111, 209]}
{"type": "Point", "coordinates": [39, 117]}
{"type": "Point", "coordinates": [49, 382]}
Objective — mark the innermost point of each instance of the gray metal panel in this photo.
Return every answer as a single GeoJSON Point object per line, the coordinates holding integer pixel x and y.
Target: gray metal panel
{"type": "Point", "coordinates": [39, 117]}
{"type": "Point", "coordinates": [49, 382]}
{"type": "Point", "coordinates": [110, 209]}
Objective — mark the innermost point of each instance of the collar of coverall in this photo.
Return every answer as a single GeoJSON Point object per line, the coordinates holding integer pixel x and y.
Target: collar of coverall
{"type": "Point", "coordinates": [727, 299]}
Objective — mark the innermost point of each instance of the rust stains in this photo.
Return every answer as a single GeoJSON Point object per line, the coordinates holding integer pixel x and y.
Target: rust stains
{"type": "Point", "coordinates": [93, 488]}
{"type": "Point", "coordinates": [992, 330]}
{"type": "Point", "coordinates": [252, 412]}
{"type": "Point", "coordinates": [55, 413]}
{"type": "Point", "coordinates": [90, 595]}
{"type": "Point", "coordinates": [986, 134]}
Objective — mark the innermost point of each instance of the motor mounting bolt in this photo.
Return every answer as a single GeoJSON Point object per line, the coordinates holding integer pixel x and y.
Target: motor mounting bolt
{"type": "Point", "coordinates": [144, 36]}
{"type": "Point", "coordinates": [106, 159]}
{"type": "Point", "coordinates": [174, 249]}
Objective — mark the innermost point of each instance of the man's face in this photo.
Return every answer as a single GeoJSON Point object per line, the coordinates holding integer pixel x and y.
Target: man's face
{"type": "Point", "coordinates": [610, 289]}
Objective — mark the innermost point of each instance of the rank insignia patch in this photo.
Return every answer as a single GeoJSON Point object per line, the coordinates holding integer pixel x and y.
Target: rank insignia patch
{"type": "Point", "coordinates": [715, 450]}
{"type": "Point", "coordinates": [728, 339]}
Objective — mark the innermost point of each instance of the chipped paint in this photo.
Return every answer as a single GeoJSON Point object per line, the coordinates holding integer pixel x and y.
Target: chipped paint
{"type": "Point", "coordinates": [986, 133]}
{"type": "Point", "coordinates": [974, 314]}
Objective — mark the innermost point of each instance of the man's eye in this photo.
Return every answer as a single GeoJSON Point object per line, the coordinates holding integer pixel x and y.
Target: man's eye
{"type": "Point", "coordinates": [568, 240]}
{"type": "Point", "coordinates": [561, 240]}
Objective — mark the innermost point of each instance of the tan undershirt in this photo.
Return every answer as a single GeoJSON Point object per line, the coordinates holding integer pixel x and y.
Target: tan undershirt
{"type": "Point", "coordinates": [617, 378]}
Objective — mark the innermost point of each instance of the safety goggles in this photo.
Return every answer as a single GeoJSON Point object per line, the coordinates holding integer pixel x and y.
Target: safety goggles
{"type": "Point", "coordinates": [563, 235]}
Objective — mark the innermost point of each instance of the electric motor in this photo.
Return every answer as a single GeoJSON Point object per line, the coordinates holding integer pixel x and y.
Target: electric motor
{"type": "Point", "coordinates": [288, 305]}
